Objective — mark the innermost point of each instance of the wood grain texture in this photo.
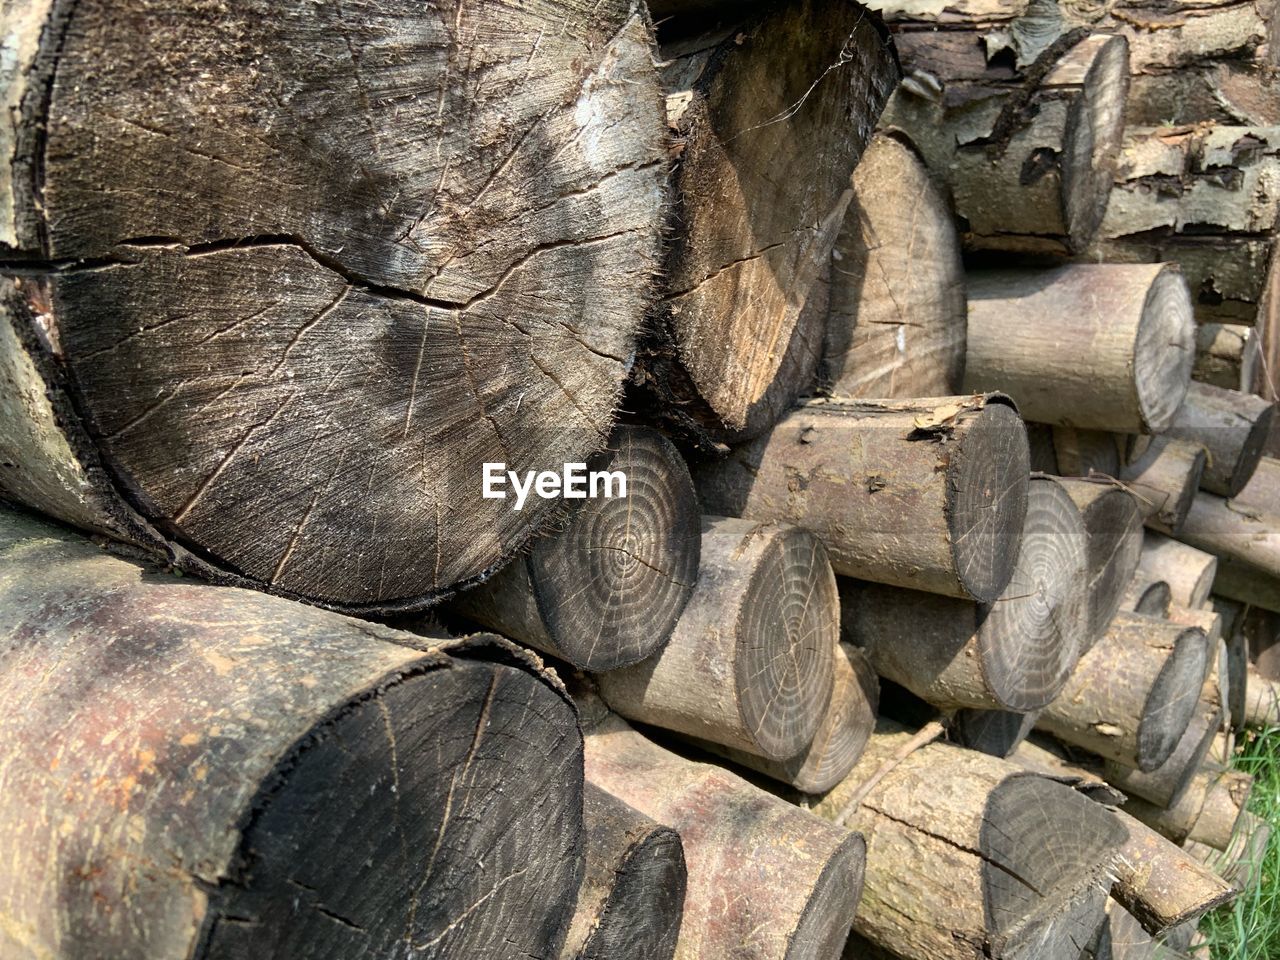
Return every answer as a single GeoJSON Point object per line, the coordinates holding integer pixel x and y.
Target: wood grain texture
{"type": "Point", "coordinates": [897, 320]}
{"type": "Point", "coordinates": [606, 588]}
{"type": "Point", "coordinates": [194, 771]}
{"type": "Point", "coordinates": [1113, 528]}
{"type": "Point", "coordinates": [1164, 481]}
{"type": "Point", "coordinates": [289, 313]}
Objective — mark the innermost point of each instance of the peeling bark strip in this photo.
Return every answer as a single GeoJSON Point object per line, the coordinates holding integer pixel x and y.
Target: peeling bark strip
{"type": "Point", "coordinates": [928, 494]}
{"type": "Point", "coordinates": [897, 319]}
{"type": "Point", "coordinates": [968, 855]}
{"type": "Point", "coordinates": [632, 896]}
{"type": "Point", "coordinates": [751, 660]}
{"type": "Point", "coordinates": [1164, 480]}
{"type": "Point", "coordinates": [607, 590]}
{"type": "Point", "coordinates": [766, 881]}
{"type": "Point", "coordinates": [195, 771]}
{"type": "Point", "coordinates": [1134, 694]}
{"type": "Point", "coordinates": [770, 115]}
{"type": "Point", "coordinates": [1012, 654]}
{"type": "Point", "coordinates": [1113, 545]}
{"type": "Point", "coordinates": [1129, 329]}
{"type": "Point", "coordinates": [1027, 154]}
{"type": "Point", "coordinates": [283, 318]}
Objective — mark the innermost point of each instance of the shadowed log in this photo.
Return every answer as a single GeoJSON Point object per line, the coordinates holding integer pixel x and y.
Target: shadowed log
{"type": "Point", "coordinates": [996, 733]}
{"type": "Point", "coordinates": [1085, 453]}
{"type": "Point", "coordinates": [1166, 785]}
{"type": "Point", "coordinates": [1164, 479]}
{"type": "Point", "coordinates": [1028, 155]}
{"type": "Point", "coordinates": [362, 254]}
{"type": "Point", "coordinates": [1263, 489]}
{"type": "Point", "coordinates": [1206, 811]}
{"type": "Point", "coordinates": [1134, 694]}
{"type": "Point", "coordinates": [841, 737]}
{"type": "Point", "coordinates": [1151, 598]}
{"type": "Point", "coordinates": [750, 662]}
{"type": "Point", "coordinates": [1246, 542]}
{"type": "Point", "coordinates": [607, 590]}
{"type": "Point", "coordinates": [766, 880]}
{"type": "Point", "coordinates": [1113, 545]}
{"type": "Point", "coordinates": [968, 855]}
{"type": "Point", "coordinates": [633, 884]}
{"type": "Point", "coordinates": [1013, 654]}
{"type": "Point", "coordinates": [1161, 884]}
{"type": "Point", "coordinates": [928, 494]}
{"type": "Point", "coordinates": [1042, 754]}
{"type": "Point", "coordinates": [1227, 356]}
{"type": "Point", "coordinates": [897, 321]}
{"type": "Point", "coordinates": [1231, 426]}
{"type": "Point", "coordinates": [1188, 571]}
{"type": "Point", "coordinates": [194, 771]}
{"type": "Point", "coordinates": [1127, 328]}
{"type": "Point", "coordinates": [770, 112]}
{"type": "Point", "coordinates": [1262, 701]}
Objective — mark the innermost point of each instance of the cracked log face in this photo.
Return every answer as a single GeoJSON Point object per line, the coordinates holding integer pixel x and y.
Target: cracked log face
{"type": "Point", "coordinates": [288, 313]}
{"type": "Point", "coordinates": [276, 781]}
{"type": "Point", "coordinates": [771, 116]}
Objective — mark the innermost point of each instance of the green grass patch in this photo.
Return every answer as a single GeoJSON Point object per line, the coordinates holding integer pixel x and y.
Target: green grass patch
{"type": "Point", "coordinates": [1249, 929]}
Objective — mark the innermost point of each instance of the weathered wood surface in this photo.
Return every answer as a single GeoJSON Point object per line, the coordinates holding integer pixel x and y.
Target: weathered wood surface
{"type": "Point", "coordinates": [1134, 694]}
{"type": "Point", "coordinates": [968, 855]}
{"type": "Point", "coordinates": [1149, 597]}
{"type": "Point", "coordinates": [897, 318]}
{"type": "Point", "coordinates": [750, 663]}
{"type": "Point", "coordinates": [1164, 480]}
{"type": "Point", "coordinates": [607, 588]}
{"type": "Point", "coordinates": [274, 325]}
{"type": "Point", "coordinates": [1127, 328]}
{"type": "Point", "coordinates": [766, 879]}
{"type": "Point", "coordinates": [770, 113]}
{"type": "Point", "coordinates": [633, 885]}
{"type": "Point", "coordinates": [928, 494]}
{"type": "Point", "coordinates": [1242, 863]}
{"type": "Point", "coordinates": [1227, 356]}
{"type": "Point", "coordinates": [1113, 545]}
{"type": "Point", "coordinates": [1246, 542]}
{"type": "Point", "coordinates": [1262, 701]}
{"type": "Point", "coordinates": [997, 733]}
{"type": "Point", "coordinates": [194, 771]}
{"type": "Point", "coordinates": [1206, 811]}
{"type": "Point", "coordinates": [1167, 784]}
{"type": "Point", "coordinates": [1027, 154]}
{"type": "Point", "coordinates": [1232, 426]}
{"type": "Point", "coordinates": [1263, 489]}
{"type": "Point", "coordinates": [1188, 572]}
{"type": "Point", "coordinates": [1013, 654]}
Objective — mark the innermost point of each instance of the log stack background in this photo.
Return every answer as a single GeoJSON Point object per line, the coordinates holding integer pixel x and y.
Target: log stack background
{"type": "Point", "coordinates": [938, 341]}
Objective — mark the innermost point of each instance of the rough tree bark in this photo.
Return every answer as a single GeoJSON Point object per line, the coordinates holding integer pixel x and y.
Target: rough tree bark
{"type": "Point", "coordinates": [897, 319]}
{"type": "Point", "coordinates": [766, 880]}
{"type": "Point", "coordinates": [841, 737]}
{"type": "Point", "coordinates": [1113, 544]}
{"type": "Point", "coordinates": [1189, 572]}
{"type": "Point", "coordinates": [750, 663]}
{"type": "Point", "coordinates": [1246, 542]}
{"type": "Point", "coordinates": [1227, 356]}
{"type": "Point", "coordinates": [1013, 654]}
{"type": "Point", "coordinates": [633, 885]}
{"type": "Point", "coordinates": [968, 855]}
{"type": "Point", "coordinates": [607, 589]}
{"type": "Point", "coordinates": [194, 771]}
{"type": "Point", "coordinates": [1232, 426]}
{"type": "Point", "coordinates": [274, 326]}
{"type": "Point", "coordinates": [1128, 328]}
{"type": "Point", "coordinates": [1134, 694]}
{"type": "Point", "coordinates": [770, 115]}
{"type": "Point", "coordinates": [1027, 154]}
{"type": "Point", "coordinates": [927, 494]}
{"type": "Point", "coordinates": [1164, 478]}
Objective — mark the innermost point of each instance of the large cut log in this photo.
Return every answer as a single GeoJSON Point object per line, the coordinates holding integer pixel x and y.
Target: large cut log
{"type": "Point", "coordinates": [1227, 356]}
{"type": "Point", "coordinates": [606, 590]}
{"type": "Point", "coordinates": [841, 737]}
{"type": "Point", "coordinates": [770, 114]}
{"type": "Point", "coordinates": [765, 880]}
{"type": "Point", "coordinates": [969, 855]}
{"type": "Point", "coordinates": [1127, 328]}
{"type": "Point", "coordinates": [927, 494]}
{"type": "Point", "coordinates": [750, 663]}
{"type": "Point", "coordinates": [1164, 478]}
{"type": "Point", "coordinates": [1232, 426]}
{"type": "Point", "coordinates": [1013, 654]}
{"type": "Point", "coordinates": [1189, 572]}
{"type": "Point", "coordinates": [897, 318]}
{"type": "Point", "coordinates": [1113, 544]}
{"type": "Point", "coordinates": [633, 884]}
{"type": "Point", "coordinates": [1247, 544]}
{"type": "Point", "coordinates": [193, 771]}
{"type": "Point", "coordinates": [1028, 155]}
{"type": "Point", "coordinates": [1160, 883]}
{"type": "Point", "coordinates": [275, 325]}
{"type": "Point", "coordinates": [1134, 694]}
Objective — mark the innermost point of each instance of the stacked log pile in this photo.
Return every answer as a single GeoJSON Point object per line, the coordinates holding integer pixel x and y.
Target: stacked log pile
{"type": "Point", "coordinates": [927, 372]}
